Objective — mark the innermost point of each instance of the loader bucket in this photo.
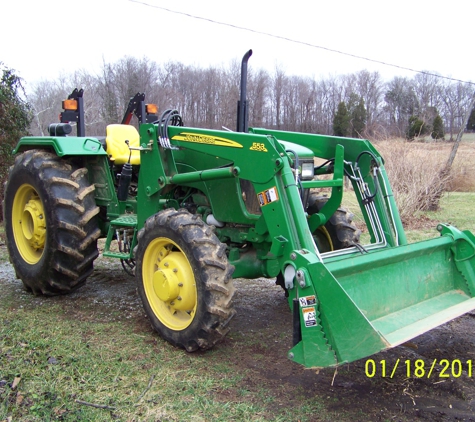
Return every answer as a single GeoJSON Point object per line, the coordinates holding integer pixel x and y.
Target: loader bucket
{"type": "Point", "coordinates": [372, 301]}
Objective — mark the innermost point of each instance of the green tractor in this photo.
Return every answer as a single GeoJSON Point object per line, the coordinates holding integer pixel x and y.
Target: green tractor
{"type": "Point", "coordinates": [190, 209]}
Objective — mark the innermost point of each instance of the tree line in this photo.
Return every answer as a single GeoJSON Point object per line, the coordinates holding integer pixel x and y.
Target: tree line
{"type": "Point", "coordinates": [359, 104]}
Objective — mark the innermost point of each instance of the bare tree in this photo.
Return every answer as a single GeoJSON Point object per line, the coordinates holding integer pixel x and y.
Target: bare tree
{"type": "Point", "coordinates": [400, 104]}
{"type": "Point", "coordinates": [258, 96]}
{"type": "Point", "coordinates": [455, 99]}
{"type": "Point", "coordinates": [428, 89]}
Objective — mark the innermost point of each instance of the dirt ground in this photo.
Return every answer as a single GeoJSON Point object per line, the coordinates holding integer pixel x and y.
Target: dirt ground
{"type": "Point", "coordinates": [260, 338]}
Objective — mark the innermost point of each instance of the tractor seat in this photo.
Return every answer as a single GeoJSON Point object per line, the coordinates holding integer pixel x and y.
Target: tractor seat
{"type": "Point", "coordinates": [117, 149]}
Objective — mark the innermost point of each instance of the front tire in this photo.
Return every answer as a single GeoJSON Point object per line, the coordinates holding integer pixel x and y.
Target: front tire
{"type": "Point", "coordinates": [184, 280]}
{"type": "Point", "coordinates": [50, 222]}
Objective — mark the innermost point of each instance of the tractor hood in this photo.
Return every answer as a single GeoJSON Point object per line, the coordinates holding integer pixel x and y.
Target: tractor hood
{"type": "Point", "coordinates": [302, 152]}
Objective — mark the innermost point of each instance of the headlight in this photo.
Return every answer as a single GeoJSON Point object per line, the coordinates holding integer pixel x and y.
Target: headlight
{"type": "Point", "coordinates": [307, 170]}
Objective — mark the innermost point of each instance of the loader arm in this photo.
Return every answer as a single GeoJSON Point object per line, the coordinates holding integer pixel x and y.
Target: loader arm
{"type": "Point", "coordinates": [362, 154]}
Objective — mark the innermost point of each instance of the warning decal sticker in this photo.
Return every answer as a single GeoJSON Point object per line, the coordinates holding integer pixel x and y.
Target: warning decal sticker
{"type": "Point", "coordinates": [307, 301]}
{"type": "Point", "coordinates": [309, 316]}
{"type": "Point", "coordinates": [268, 196]}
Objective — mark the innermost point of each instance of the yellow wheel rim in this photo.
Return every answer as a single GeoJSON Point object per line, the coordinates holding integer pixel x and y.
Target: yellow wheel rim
{"type": "Point", "coordinates": [323, 239]}
{"type": "Point", "coordinates": [169, 284]}
{"type": "Point", "coordinates": [29, 224]}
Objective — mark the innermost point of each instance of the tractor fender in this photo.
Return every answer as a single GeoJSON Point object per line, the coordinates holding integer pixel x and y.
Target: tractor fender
{"type": "Point", "coordinates": [62, 145]}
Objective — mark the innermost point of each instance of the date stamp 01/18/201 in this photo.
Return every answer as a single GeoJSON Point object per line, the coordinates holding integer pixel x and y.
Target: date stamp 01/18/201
{"type": "Point", "coordinates": [442, 368]}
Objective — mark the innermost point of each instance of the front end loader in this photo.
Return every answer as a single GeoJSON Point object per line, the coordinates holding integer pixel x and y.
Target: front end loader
{"type": "Point", "coordinates": [190, 209]}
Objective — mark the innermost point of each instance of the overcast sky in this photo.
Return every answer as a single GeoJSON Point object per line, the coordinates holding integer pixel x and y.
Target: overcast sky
{"type": "Point", "coordinates": [42, 39]}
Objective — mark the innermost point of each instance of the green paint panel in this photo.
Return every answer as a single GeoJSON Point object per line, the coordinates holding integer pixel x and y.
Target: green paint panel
{"type": "Point", "coordinates": [402, 292]}
{"type": "Point", "coordinates": [387, 281]}
{"type": "Point", "coordinates": [399, 327]}
{"type": "Point", "coordinates": [347, 330]}
{"type": "Point", "coordinates": [63, 145]}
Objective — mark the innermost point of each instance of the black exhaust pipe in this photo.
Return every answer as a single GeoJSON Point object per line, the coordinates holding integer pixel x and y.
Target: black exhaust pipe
{"type": "Point", "coordinates": [242, 113]}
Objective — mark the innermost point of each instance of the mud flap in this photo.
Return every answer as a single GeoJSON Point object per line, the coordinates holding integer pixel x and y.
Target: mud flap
{"type": "Point", "coordinates": [366, 303]}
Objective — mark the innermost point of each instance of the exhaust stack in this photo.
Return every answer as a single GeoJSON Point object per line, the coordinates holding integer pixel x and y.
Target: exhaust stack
{"type": "Point", "coordinates": [242, 113]}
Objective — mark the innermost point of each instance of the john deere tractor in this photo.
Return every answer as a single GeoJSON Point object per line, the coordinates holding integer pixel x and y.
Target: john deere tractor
{"type": "Point", "coordinates": [190, 209]}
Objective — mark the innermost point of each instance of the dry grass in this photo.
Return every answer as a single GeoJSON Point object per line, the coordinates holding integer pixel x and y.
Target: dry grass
{"type": "Point", "coordinates": [414, 170]}
{"type": "Point", "coordinates": [433, 155]}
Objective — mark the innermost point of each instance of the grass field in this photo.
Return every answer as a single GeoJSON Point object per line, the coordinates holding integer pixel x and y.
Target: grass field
{"type": "Point", "coordinates": [99, 372]}
{"type": "Point", "coordinates": [455, 209]}
{"type": "Point", "coordinates": [53, 367]}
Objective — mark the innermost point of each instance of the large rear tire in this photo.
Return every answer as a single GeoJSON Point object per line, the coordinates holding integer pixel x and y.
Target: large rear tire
{"type": "Point", "coordinates": [50, 222]}
{"type": "Point", "coordinates": [184, 280]}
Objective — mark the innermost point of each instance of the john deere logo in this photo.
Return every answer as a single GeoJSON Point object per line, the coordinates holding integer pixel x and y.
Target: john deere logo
{"type": "Point", "coordinates": [206, 139]}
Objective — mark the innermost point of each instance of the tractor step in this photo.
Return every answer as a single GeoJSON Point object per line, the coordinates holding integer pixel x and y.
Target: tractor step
{"type": "Point", "coordinates": [124, 228]}
{"type": "Point", "coordinates": [119, 255]}
{"type": "Point", "coordinates": [126, 220]}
